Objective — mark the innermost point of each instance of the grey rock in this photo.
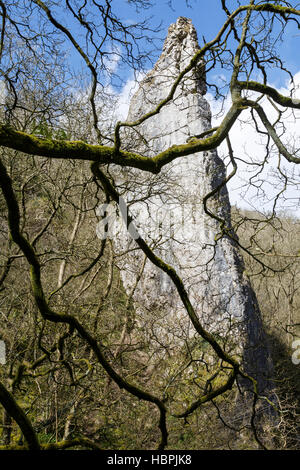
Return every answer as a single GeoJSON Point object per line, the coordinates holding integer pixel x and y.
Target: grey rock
{"type": "Point", "coordinates": [170, 214]}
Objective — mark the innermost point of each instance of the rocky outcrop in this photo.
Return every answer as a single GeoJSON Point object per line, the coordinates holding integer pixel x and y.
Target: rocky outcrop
{"type": "Point", "coordinates": [170, 214]}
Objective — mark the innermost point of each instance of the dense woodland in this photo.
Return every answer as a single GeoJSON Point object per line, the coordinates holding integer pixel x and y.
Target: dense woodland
{"type": "Point", "coordinates": [79, 371]}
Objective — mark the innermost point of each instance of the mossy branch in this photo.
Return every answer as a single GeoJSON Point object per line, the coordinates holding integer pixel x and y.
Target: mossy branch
{"type": "Point", "coordinates": [78, 150]}
{"type": "Point", "coordinates": [209, 396]}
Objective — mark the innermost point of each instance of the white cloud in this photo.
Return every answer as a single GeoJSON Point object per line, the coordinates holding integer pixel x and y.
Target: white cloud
{"type": "Point", "coordinates": [250, 146]}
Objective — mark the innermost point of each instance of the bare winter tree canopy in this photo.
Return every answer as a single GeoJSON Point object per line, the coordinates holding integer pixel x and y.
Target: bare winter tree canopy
{"type": "Point", "coordinates": [139, 310]}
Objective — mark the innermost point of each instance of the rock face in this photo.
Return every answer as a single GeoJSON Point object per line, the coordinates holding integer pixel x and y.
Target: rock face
{"type": "Point", "coordinates": [170, 213]}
